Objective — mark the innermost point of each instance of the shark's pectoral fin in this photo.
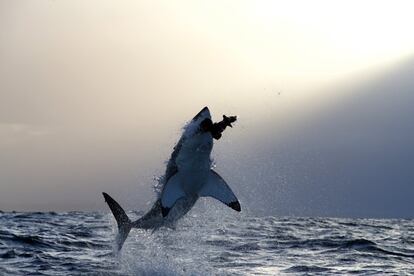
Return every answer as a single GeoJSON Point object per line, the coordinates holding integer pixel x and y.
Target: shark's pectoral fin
{"type": "Point", "coordinates": [171, 193]}
{"type": "Point", "coordinates": [217, 188]}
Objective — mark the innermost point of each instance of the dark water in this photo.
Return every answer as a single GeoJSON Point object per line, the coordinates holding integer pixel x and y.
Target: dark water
{"type": "Point", "coordinates": [81, 244]}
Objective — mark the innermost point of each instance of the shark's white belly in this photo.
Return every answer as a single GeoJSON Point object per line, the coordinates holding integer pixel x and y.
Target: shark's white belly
{"type": "Point", "coordinates": [193, 162]}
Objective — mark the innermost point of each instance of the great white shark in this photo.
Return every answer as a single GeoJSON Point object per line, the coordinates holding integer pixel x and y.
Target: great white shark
{"type": "Point", "coordinates": [188, 177]}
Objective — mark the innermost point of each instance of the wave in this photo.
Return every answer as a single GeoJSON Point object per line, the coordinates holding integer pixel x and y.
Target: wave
{"type": "Point", "coordinates": [306, 268]}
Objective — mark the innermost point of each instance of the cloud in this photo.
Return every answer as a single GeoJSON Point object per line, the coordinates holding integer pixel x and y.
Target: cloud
{"type": "Point", "coordinates": [15, 133]}
{"type": "Point", "coordinates": [23, 129]}
{"type": "Point", "coordinates": [353, 158]}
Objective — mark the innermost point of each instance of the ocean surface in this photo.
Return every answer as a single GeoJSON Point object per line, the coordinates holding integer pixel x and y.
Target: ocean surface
{"type": "Point", "coordinates": [81, 243]}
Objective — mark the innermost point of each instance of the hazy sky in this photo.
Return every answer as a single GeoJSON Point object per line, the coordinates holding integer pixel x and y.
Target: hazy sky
{"type": "Point", "coordinates": [93, 95]}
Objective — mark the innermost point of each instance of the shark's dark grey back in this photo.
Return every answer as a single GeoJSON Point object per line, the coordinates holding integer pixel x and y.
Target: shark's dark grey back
{"type": "Point", "coordinates": [171, 165]}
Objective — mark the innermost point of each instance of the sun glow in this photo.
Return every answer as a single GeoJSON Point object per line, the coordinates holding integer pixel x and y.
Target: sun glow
{"type": "Point", "coordinates": [353, 28]}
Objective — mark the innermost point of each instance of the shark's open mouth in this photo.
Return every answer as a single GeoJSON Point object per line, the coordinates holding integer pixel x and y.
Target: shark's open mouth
{"type": "Point", "coordinates": [217, 128]}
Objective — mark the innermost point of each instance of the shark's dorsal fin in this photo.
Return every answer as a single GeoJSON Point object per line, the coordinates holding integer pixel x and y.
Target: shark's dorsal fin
{"type": "Point", "coordinates": [217, 188]}
{"type": "Point", "coordinates": [171, 193]}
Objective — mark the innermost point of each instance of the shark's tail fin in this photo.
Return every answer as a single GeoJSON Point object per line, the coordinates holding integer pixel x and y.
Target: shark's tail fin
{"type": "Point", "coordinates": [124, 223]}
